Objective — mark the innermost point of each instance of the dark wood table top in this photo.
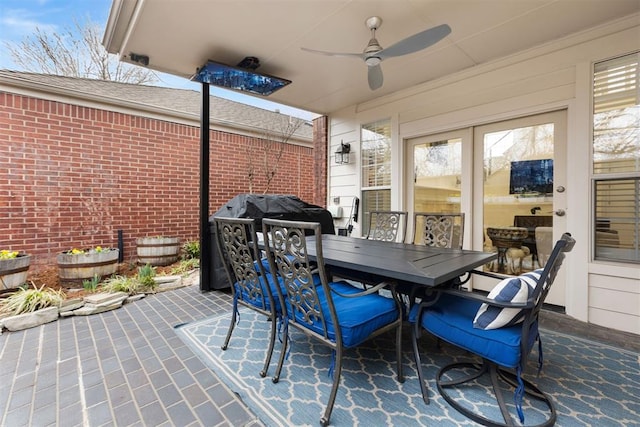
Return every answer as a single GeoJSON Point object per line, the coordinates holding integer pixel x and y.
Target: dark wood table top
{"type": "Point", "coordinates": [412, 263]}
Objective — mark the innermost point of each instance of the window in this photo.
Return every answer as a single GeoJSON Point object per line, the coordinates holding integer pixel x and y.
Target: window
{"type": "Point", "coordinates": [376, 168]}
{"type": "Point", "coordinates": [616, 159]}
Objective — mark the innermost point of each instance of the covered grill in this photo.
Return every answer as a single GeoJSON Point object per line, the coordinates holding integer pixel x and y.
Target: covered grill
{"type": "Point", "coordinates": [261, 206]}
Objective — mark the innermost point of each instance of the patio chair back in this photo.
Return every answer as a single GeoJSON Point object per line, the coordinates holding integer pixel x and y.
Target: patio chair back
{"type": "Point", "coordinates": [389, 226]}
{"type": "Point", "coordinates": [442, 230]}
{"type": "Point", "coordinates": [337, 314]}
{"type": "Point", "coordinates": [252, 285]}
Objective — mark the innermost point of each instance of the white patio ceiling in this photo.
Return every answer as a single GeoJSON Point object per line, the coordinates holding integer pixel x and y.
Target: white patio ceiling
{"type": "Point", "coordinates": [179, 36]}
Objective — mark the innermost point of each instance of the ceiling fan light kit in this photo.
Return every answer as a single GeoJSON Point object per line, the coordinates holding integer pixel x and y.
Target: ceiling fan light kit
{"type": "Point", "coordinates": [374, 54]}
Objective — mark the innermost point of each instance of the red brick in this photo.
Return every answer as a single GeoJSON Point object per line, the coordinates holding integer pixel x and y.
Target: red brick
{"type": "Point", "coordinates": [72, 176]}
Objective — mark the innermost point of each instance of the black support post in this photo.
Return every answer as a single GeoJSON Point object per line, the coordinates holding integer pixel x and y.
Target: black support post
{"type": "Point", "coordinates": [205, 239]}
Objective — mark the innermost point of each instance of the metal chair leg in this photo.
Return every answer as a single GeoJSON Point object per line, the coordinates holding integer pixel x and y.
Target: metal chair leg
{"type": "Point", "coordinates": [232, 325]}
{"type": "Point", "coordinates": [283, 352]}
{"type": "Point", "coordinates": [415, 333]}
{"type": "Point", "coordinates": [324, 421]}
{"type": "Point", "coordinates": [496, 374]}
{"type": "Point", "coordinates": [272, 341]}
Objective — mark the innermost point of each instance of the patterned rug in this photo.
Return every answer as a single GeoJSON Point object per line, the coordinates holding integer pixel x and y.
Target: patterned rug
{"type": "Point", "coordinates": [590, 383]}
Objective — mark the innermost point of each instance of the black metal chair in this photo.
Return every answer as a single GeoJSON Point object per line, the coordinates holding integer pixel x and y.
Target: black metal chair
{"type": "Point", "coordinates": [387, 226]}
{"type": "Point", "coordinates": [442, 230]}
{"type": "Point", "coordinates": [500, 329]}
{"type": "Point", "coordinates": [251, 284]}
{"type": "Point", "coordinates": [336, 314]}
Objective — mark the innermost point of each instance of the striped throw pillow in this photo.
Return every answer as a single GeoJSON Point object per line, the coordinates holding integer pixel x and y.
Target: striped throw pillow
{"type": "Point", "coordinates": [511, 289]}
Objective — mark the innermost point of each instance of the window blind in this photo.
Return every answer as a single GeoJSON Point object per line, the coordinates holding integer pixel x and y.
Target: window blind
{"type": "Point", "coordinates": [616, 159]}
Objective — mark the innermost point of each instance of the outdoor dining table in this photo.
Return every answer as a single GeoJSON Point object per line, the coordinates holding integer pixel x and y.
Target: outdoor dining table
{"type": "Point", "coordinates": [416, 264]}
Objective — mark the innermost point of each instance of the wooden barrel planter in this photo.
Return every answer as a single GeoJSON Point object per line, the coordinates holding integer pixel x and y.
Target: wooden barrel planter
{"type": "Point", "coordinates": [13, 271]}
{"type": "Point", "coordinates": [75, 268]}
{"type": "Point", "coordinates": [158, 250]}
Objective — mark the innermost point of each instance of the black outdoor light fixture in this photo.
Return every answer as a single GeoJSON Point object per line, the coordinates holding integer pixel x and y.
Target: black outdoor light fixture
{"type": "Point", "coordinates": [342, 154]}
{"type": "Point", "coordinates": [242, 78]}
{"type": "Point", "coordinates": [140, 59]}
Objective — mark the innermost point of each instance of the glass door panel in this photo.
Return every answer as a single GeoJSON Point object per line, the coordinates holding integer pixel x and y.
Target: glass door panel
{"type": "Point", "coordinates": [518, 192]}
{"type": "Point", "coordinates": [437, 176]}
{"type": "Point", "coordinates": [515, 186]}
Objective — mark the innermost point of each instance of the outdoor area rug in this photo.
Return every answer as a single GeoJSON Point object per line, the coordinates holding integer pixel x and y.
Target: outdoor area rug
{"type": "Point", "coordinates": [591, 384]}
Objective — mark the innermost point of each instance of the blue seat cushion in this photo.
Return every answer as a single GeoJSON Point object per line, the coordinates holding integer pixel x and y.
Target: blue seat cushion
{"type": "Point", "coordinates": [358, 317]}
{"type": "Point", "coordinates": [511, 289]}
{"type": "Point", "coordinates": [451, 319]}
{"type": "Point", "coordinates": [265, 265]}
{"type": "Point", "coordinates": [255, 299]}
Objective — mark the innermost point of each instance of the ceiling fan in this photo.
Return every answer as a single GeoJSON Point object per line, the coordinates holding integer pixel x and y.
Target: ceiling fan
{"type": "Point", "coordinates": [374, 54]}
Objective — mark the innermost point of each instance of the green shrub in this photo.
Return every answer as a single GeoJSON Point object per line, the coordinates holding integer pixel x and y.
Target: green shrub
{"type": "Point", "coordinates": [27, 300]}
{"type": "Point", "coordinates": [145, 277]}
{"type": "Point", "coordinates": [129, 285]}
{"type": "Point", "coordinates": [186, 266]}
{"type": "Point", "coordinates": [90, 285]}
{"type": "Point", "coordinates": [191, 250]}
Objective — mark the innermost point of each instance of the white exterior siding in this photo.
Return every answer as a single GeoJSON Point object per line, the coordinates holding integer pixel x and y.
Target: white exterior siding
{"type": "Point", "coordinates": [548, 78]}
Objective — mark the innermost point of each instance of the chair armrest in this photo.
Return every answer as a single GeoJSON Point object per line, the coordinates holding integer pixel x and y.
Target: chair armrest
{"type": "Point", "coordinates": [486, 274]}
{"type": "Point", "coordinates": [369, 291]}
{"type": "Point", "coordinates": [489, 301]}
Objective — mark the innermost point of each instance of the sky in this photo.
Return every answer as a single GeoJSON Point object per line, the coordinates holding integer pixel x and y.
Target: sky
{"type": "Point", "coordinates": [20, 18]}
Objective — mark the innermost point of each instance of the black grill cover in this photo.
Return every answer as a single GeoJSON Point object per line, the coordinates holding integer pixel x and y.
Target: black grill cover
{"type": "Point", "coordinates": [261, 206]}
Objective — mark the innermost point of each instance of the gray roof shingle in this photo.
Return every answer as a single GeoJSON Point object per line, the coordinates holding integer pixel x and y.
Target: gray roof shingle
{"type": "Point", "coordinates": [182, 102]}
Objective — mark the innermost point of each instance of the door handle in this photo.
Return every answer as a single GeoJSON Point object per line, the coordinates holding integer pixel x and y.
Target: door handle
{"type": "Point", "coordinates": [559, 212]}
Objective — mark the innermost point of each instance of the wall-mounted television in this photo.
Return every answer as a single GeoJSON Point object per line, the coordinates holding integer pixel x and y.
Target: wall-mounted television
{"type": "Point", "coordinates": [531, 177]}
{"type": "Point", "coordinates": [239, 79]}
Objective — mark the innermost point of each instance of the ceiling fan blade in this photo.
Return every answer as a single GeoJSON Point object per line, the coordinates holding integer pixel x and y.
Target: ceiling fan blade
{"type": "Point", "coordinates": [322, 52]}
{"type": "Point", "coordinates": [416, 42]}
{"type": "Point", "coordinates": [375, 77]}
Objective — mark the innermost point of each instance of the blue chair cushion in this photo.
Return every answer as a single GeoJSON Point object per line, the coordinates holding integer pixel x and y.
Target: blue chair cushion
{"type": "Point", "coordinates": [358, 317]}
{"type": "Point", "coordinates": [450, 319]}
{"type": "Point", "coordinates": [255, 300]}
{"type": "Point", "coordinates": [511, 289]}
{"type": "Point", "coordinates": [265, 265]}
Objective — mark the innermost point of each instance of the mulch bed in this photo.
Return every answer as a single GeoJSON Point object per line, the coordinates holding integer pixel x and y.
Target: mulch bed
{"type": "Point", "coordinates": [49, 276]}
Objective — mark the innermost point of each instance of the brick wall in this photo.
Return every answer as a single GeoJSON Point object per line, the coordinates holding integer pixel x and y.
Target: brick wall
{"type": "Point", "coordinates": [72, 176]}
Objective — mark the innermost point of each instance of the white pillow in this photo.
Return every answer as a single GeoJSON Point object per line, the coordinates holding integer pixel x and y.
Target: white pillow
{"type": "Point", "coordinates": [511, 289]}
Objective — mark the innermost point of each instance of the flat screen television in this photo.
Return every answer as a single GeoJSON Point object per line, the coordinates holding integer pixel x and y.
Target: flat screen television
{"type": "Point", "coordinates": [531, 177]}
{"type": "Point", "coordinates": [239, 79]}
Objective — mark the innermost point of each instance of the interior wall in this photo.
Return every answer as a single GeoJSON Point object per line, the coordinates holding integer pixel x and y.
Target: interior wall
{"type": "Point", "coordinates": [551, 77]}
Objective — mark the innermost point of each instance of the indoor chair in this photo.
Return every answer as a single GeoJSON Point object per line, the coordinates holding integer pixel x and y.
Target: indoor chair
{"type": "Point", "coordinates": [336, 314]}
{"type": "Point", "coordinates": [442, 230]}
{"type": "Point", "coordinates": [544, 244]}
{"type": "Point", "coordinates": [387, 226]}
{"type": "Point", "coordinates": [500, 329]}
{"type": "Point", "coordinates": [251, 284]}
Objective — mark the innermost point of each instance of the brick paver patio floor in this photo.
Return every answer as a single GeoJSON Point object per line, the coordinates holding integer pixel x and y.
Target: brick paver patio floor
{"type": "Point", "coordinates": [125, 367]}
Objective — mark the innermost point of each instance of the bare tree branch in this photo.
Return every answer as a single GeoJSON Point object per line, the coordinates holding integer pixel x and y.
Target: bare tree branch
{"type": "Point", "coordinates": [76, 51]}
{"type": "Point", "coordinates": [271, 148]}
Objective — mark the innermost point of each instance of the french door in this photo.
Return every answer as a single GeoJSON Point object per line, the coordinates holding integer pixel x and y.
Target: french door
{"type": "Point", "coordinates": [509, 180]}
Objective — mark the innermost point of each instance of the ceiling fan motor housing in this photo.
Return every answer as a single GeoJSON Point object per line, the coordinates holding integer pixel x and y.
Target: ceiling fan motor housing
{"type": "Point", "coordinates": [370, 53]}
{"type": "Point", "coordinates": [370, 57]}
